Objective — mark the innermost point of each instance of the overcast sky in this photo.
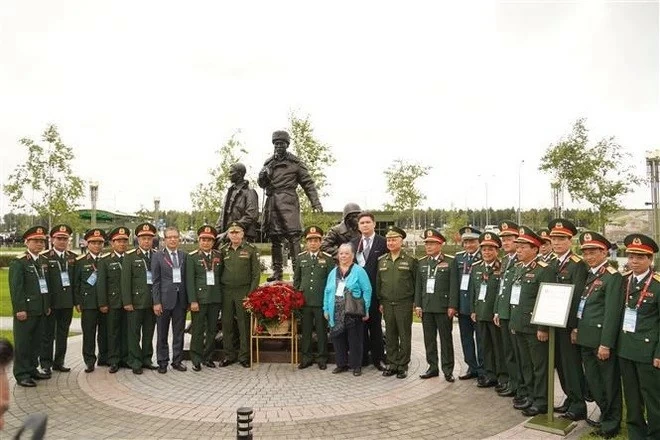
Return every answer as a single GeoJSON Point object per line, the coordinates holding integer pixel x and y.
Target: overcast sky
{"type": "Point", "coordinates": [146, 92]}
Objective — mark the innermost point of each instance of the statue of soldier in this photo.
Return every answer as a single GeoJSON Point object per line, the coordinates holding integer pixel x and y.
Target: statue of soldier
{"type": "Point", "coordinates": [241, 205]}
{"type": "Point", "coordinates": [280, 176]}
{"type": "Point", "coordinates": [342, 232]}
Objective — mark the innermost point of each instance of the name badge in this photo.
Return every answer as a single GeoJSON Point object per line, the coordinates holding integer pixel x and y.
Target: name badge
{"type": "Point", "coordinates": [430, 285]}
{"type": "Point", "coordinates": [210, 278]}
{"type": "Point", "coordinates": [465, 281]}
{"type": "Point", "coordinates": [340, 289]}
{"type": "Point", "coordinates": [581, 307]}
{"type": "Point", "coordinates": [64, 276]}
{"type": "Point", "coordinates": [629, 320]}
{"type": "Point", "coordinates": [150, 280]}
{"type": "Point", "coordinates": [515, 294]}
{"type": "Point", "coordinates": [43, 286]}
{"type": "Point", "coordinates": [360, 259]}
{"type": "Point", "coordinates": [482, 292]}
{"type": "Point", "coordinates": [176, 274]}
{"type": "Point", "coordinates": [91, 280]}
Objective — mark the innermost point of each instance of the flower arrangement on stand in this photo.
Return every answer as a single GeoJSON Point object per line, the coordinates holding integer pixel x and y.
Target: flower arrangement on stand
{"type": "Point", "coordinates": [273, 305]}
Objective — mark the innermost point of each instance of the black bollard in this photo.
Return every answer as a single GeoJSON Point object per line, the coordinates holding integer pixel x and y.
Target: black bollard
{"type": "Point", "coordinates": [244, 417]}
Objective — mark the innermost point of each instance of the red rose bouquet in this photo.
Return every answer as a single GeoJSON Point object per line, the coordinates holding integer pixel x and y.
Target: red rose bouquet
{"type": "Point", "coordinates": [273, 304]}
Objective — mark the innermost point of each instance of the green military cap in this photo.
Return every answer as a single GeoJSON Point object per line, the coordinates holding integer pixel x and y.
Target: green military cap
{"type": "Point", "coordinates": [35, 233]}
{"type": "Point", "coordinates": [490, 239]}
{"type": "Point", "coordinates": [235, 226]}
{"type": "Point", "coordinates": [508, 228]}
{"type": "Point", "coordinates": [313, 232]}
{"type": "Point", "coordinates": [640, 244]}
{"type": "Point", "coordinates": [527, 235]}
{"type": "Point", "coordinates": [119, 233]}
{"type": "Point", "coordinates": [207, 231]}
{"type": "Point", "coordinates": [61, 230]}
{"type": "Point", "coordinates": [593, 240]}
{"type": "Point", "coordinates": [560, 227]}
{"type": "Point", "coordinates": [394, 231]}
{"type": "Point", "coordinates": [145, 229]}
{"type": "Point", "coordinates": [544, 234]}
{"type": "Point", "coordinates": [281, 135]}
{"type": "Point", "coordinates": [433, 234]}
{"type": "Point", "coordinates": [469, 233]}
{"type": "Point", "coordinates": [94, 234]}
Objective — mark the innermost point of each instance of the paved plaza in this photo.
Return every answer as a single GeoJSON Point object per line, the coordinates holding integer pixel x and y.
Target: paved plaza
{"type": "Point", "coordinates": [287, 403]}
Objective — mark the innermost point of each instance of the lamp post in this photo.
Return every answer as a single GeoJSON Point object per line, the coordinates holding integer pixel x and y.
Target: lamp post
{"type": "Point", "coordinates": [652, 165]}
{"type": "Point", "coordinates": [156, 210]}
{"type": "Point", "coordinates": [94, 194]}
{"type": "Point", "coordinates": [519, 188]}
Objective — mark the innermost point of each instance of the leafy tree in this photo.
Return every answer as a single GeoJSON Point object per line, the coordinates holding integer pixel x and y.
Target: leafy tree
{"type": "Point", "coordinates": [208, 197]}
{"type": "Point", "coordinates": [596, 173]}
{"type": "Point", "coordinates": [316, 156]}
{"type": "Point", "coordinates": [401, 178]}
{"type": "Point", "coordinates": [45, 183]}
{"type": "Point", "coordinates": [455, 221]}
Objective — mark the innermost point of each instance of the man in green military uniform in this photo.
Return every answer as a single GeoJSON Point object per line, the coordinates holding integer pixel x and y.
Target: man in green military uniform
{"type": "Point", "coordinates": [85, 292]}
{"type": "Point", "coordinates": [531, 340]}
{"type": "Point", "coordinates": [203, 269]}
{"type": "Point", "coordinates": [545, 252]}
{"type": "Point", "coordinates": [638, 347]}
{"type": "Point", "coordinates": [310, 273]}
{"type": "Point", "coordinates": [568, 268]}
{"type": "Point", "coordinates": [109, 298]}
{"type": "Point", "coordinates": [484, 287]}
{"type": "Point", "coordinates": [30, 301]}
{"type": "Point", "coordinates": [599, 320]}
{"type": "Point", "coordinates": [435, 275]}
{"type": "Point", "coordinates": [395, 287]}
{"type": "Point", "coordinates": [240, 276]}
{"type": "Point", "coordinates": [502, 313]}
{"type": "Point", "coordinates": [61, 263]}
{"type": "Point", "coordinates": [136, 284]}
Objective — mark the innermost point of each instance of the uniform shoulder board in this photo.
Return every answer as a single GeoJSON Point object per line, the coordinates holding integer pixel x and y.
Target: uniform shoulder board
{"type": "Point", "coordinates": [576, 258]}
{"type": "Point", "coordinates": [477, 262]}
{"type": "Point", "coordinates": [611, 270]}
{"type": "Point", "coordinates": [194, 252]}
{"type": "Point", "coordinates": [71, 254]}
{"type": "Point", "coordinates": [25, 255]}
{"type": "Point", "coordinates": [383, 256]}
{"type": "Point", "coordinates": [422, 258]}
{"type": "Point", "coordinates": [327, 254]}
{"type": "Point", "coordinates": [302, 253]}
{"type": "Point", "coordinates": [215, 252]}
{"type": "Point", "coordinates": [224, 246]}
{"type": "Point", "coordinates": [626, 273]}
{"type": "Point", "coordinates": [131, 251]}
{"type": "Point", "coordinates": [656, 276]}
{"type": "Point", "coordinates": [106, 255]}
{"type": "Point", "coordinates": [542, 263]}
{"type": "Point", "coordinates": [44, 252]}
{"type": "Point", "coordinates": [460, 252]}
{"type": "Point", "coordinates": [80, 257]}
{"type": "Point", "coordinates": [519, 263]}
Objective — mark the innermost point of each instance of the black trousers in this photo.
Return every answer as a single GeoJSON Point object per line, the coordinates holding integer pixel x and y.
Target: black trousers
{"type": "Point", "coordinates": [373, 335]}
{"type": "Point", "coordinates": [177, 317]}
{"type": "Point", "coordinates": [293, 240]}
{"type": "Point", "coordinates": [348, 347]}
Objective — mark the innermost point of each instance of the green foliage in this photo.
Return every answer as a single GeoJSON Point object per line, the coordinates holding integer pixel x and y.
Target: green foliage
{"type": "Point", "coordinates": [401, 179]}
{"type": "Point", "coordinates": [597, 173]}
{"type": "Point", "coordinates": [316, 156]}
{"type": "Point", "coordinates": [455, 221]}
{"type": "Point", "coordinates": [45, 183]}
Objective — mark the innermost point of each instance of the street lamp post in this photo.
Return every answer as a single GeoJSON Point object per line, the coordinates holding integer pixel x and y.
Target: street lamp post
{"type": "Point", "coordinates": [652, 164]}
{"type": "Point", "coordinates": [519, 188]}
{"type": "Point", "coordinates": [156, 210]}
{"type": "Point", "coordinates": [94, 194]}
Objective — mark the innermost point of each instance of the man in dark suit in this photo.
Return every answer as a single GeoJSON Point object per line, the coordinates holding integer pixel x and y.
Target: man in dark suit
{"type": "Point", "coordinates": [368, 248]}
{"type": "Point", "coordinates": [170, 300]}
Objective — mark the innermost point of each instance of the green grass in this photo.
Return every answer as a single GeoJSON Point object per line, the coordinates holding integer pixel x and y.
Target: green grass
{"type": "Point", "coordinates": [7, 334]}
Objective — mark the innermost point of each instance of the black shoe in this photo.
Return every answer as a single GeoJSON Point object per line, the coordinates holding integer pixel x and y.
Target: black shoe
{"type": "Point", "coordinates": [501, 386]}
{"type": "Point", "coordinates": [338, 370]}
{"type": "Point", "coordinates": [137, 370]}
{"type": "Point", "coordinates": [357, 372]}
{"type": "Point", "coordinates": [40, 376]}
{"type": "Point", "coordinates": [467, 376]}
{"type": "Point", "coordinates": [245, 364]}
{"type": "Point", "coordinates": [592, 422]}
{"type": "Point", "coordinates": [599, 433]}
{"type": "Point", "coordinates": [150, 366]}
{"type": "Point", "coordinates": [102, 364]}
{"type": "Point", "coordinates": [323, 365]}
{"type": "Point", "coordinates": [197, 367]}
{"type": "Point", "coordinates": [123, 364]}
{"type": "Point", "coordinates": [47, 371]}
{"type": "Point", "coordinates": [303, 365]}
{"type": "Point", "coordinates": [89, 368]}
{"type": "Point", "coordinates": [534, 411]}
{"type": "Point", "coordinates": [486, 383]}
{"type": "Point", "coordinates": [209, 364]}
{"type": "Point", "coordinates": [428, 374]}
{"type": "Point", "coordinates": [506, 392]}
{"type": "Point", "coordinates": [518, 399]}
{"type": "Point", "coordinates": [562, 408]}
{"type": "Point", "coordinates": [388, 372]}
{"type": "Point", "coordinates": [29, 383]}
{"type": "Point", "coordinates": [226, 363]}
{"type": "Point", "coordinates": [277, 276]}
{"type": "Point", "coordinates": [523, 405]}
{"type": "Point", "coordinates": [61, 368]}
{"type": "Point", "coordinates": [570, 415]}
{"type": "Point", "coordinates": [113, 368]}
{"type": "Point", "coordinates": [179, 367]}
{"type": "Point", "coordinates": [380, 366]}
{"type": "Point", "coordinates": [401, 374]}
{"type": "Point", "coordinates": [449, 378]}
{"type": "Point", "coordinates": [162, 369]}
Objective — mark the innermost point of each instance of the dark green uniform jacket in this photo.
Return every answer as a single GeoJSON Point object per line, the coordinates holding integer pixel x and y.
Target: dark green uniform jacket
{"type": "Point", "coordinates": [62, 297]}
{"type": "Point", "coordinates": [240, 266]}
{"type": "Point", "coordinates": [490, 277]}
{"type": "Point", "coordinates": [502, 304]}
{"type": "Point", "coordinates": [642, 345]}
{"type": "Point", "coordinates": [441, 270]}
{"type": "Point", "coordinates": [310, 275]}
{"type": "Point", "coordinates": [134, 287]}
{"type": "Point", "coordinates": [85, 294]}
{"type": "Point", "coordinates": [572, 271]}
{"type": "Point", "coordinates": [529, 277]}
{"type": "Point", "coordinates": [603, 308]}
{"type": "Point", "coordinates": [109, 282]}
{"type": "Point", "coordinates": [26, 296]}
{"type": "Point", "coordinates": [197, 264]}
{"type": "Point", "coordinates": [395, 281]}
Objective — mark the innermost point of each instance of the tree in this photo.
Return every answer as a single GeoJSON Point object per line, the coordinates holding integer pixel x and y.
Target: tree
{"type": "Point", "coordinates": [597, 174]}
{"type": "Point", "coordinates": [401, 178]}
{"type": "Point", "coordinates": [45, 183]}
{"type": "Point", "coordinates": [316, 156]}
{"type": "Point", "coordinates": [208, 197]}
{"type": "Point", "coordinates": [455, 221]}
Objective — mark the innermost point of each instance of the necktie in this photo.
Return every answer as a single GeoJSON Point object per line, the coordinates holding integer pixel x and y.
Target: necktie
{"type": "Point", "coordinates": [367, 247]}
{"type": "Point", "coordinates": [314, 258]}
{"type": "Point", "coordinates": [175, 260]}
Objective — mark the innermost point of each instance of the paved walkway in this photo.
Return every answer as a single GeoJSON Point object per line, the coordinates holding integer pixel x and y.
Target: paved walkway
{"type": "Point", "coordinates": [288, 403]}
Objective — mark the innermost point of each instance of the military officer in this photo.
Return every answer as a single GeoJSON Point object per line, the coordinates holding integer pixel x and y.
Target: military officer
{"type": "Point", "coordinates": [459, 302]}
{"type": "Point", "coordinates": [395, 287]}
{"type": "Point", "coordinates": [310, 273]}
{"type": "Point", "coordinates": [136, 284]}
{"type": "Point", "coordinates": [109, 298]}
{"type": "Point", "coordinates": [599, 320]}
{"type": "Point", "coordinates": [240, 276]}
{"type": "Point", "coordinates": [502, 312]}
{"type": "Point", "coordinates": [85, 292]}
{"type": "Point", "coordinates": [545, 252]}
{"type": "Point", "coordinates": [484, 287]}
{"type": "Point", "coordinates": [531, 340]}
{"type": "Point", "coordinates": [435, 274]}
{"type": "Point", "coordinates": [61, 264]}
{"type": "Point", "coordinates": [30, 301]}
{"type": "Point", "coordinates": [203, 269]}
{"type": "Point", "coordinates": [638, 347]}
{"type": "Point", "coordinates": [568, 268]}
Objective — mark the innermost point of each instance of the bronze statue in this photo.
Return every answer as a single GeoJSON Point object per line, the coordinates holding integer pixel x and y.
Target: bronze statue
{"type": "Point", "coordinates": [241, 205]}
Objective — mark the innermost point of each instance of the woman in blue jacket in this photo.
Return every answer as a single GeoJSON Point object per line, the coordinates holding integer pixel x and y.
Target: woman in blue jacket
{"type": "Point", "coordinates": [346, 330]}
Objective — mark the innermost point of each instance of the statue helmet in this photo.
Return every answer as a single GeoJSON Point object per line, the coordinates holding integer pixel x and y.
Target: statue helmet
{"type": "Point", "coordinates": [351, 208]}
{"type": "Point", "coordinates": [281, 135]}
